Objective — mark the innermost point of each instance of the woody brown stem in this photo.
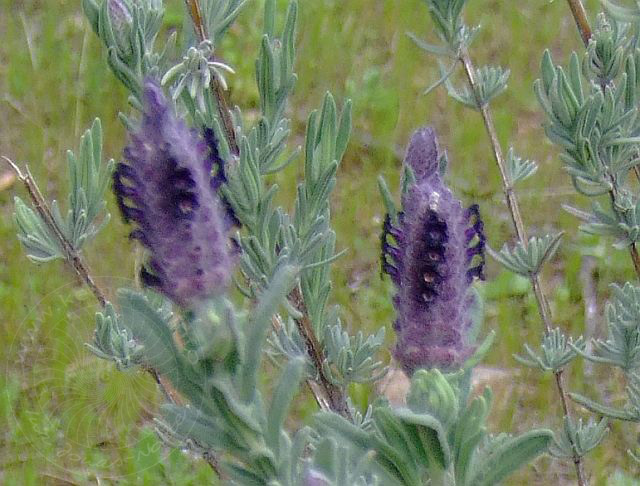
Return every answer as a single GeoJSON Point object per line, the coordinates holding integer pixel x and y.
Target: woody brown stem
{"type": "Point", "coordinates": [580, 17]}
{"type": "Point", "coordinates": [514, 210]}
{"type": "Point", "coordinates": [332, 396]}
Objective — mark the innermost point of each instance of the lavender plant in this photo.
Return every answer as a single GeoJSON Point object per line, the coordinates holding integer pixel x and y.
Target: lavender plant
{"type": "Point", "coordinates": [194, 182]}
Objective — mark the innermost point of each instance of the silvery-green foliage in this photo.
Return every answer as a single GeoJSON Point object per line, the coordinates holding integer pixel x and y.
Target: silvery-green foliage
{"type": "Point", "coordinates": [631, 409]}
{"type": "Point", "coordinates": [621, 349]}
{"type": "Point", "coordinates": [577, 437]}
{"type": "Point", "coordinates": [622, 346]}
{"type": "Point", "coordinates": [447, 15]}
{"type": "Point", "coordinates": [528, 260]}
{"type": "Point", "coordinates": [219, 15]}
{"type": "Point", "coordinates": [440, 436]}
{"type": "Point", "coordinates": [519, 169]}
{"type": "Point", "coordinates": [218, 376]}
{"type": "Point", "coordinates": [456, 38]}
{"type": "Point", "coordinates": [335, 465]}
{"type": "Point", "coordinates": [128, 29]}
{"type": "Point", "coordinates": [604, 59]}
{"type": "Point", "coordinates": [492, 80]}
{"type": "Point", "coordinates": [113, 342]}
{"type": "Point", "coordinates": [556, 351]}
{"type": "Point", "coordinates": [592, 115]}
{"type": "Point", "coordinates": [88, 180]}
{"type": "Point", "coordinates": [352, 359]}
{"type": "Point", "coordinates": [621, 223]}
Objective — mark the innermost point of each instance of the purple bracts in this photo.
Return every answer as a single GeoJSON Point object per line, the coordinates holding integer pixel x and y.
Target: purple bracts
{"type": "Point", "coordinates": [165, 187]}
{"type": "Point", "coordinates": [432, 254]}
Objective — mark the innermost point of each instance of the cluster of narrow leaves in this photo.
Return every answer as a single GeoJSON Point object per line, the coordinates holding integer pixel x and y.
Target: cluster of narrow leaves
{"type": "Point", "coordinates": [592, 116]}
{"type": "Point", "coordinates": [441, 434]}
{"type": "Point", "coordinates": [88, 178]}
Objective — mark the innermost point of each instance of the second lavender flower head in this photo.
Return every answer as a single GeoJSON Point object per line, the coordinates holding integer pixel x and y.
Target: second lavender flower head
{"type": "Point", "coordinates": [432, 252]}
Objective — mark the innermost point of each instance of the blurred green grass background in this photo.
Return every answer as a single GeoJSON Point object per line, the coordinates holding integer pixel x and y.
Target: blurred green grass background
{"type": "Point", "coordinates": [69, 418]}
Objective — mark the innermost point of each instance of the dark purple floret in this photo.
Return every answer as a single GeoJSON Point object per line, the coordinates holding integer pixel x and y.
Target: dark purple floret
{"type": "Point", "coordinates": [432, 253]}
{"type": "Point", "coordinates": [220, 175]}
{"type": "Point", "coordinates": [164, 186]}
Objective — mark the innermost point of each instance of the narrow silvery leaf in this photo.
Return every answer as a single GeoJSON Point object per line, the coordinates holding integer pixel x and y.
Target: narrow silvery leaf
{"type": "Point", "coordinates": [519, 169]}
{"type": "Point", "coordinates": [39, 242]}
{"type": "Point", "coordinates": [283, 395]}
{"type": "Point", "coordinates": [259, 324]}
{"type": "Point", "coordinates": [509, 455]}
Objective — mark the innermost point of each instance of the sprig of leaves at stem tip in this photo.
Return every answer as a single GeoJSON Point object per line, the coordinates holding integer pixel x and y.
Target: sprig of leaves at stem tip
{"type": "Point", "coordinates": [113, 342]}
{"type": "Point", "coordinates": [491, 81]}
{"type": "Point", "coordinates": [219, 15]}
{"type": "Point", "coordinates": [556, 351]}
{"type": "Point", "coordinates": [528, 259]}
{"type": "Point", "coordinates": [622, 222]}
{"type": "Point", "coordinates": [621, 349]}
{"type": "Point", "coordinates": [519, 169]}
{"type": "Point", "coordinates": [453, 33]}
{"type": "Point", "coordinates": [578, 438]}
{"type": "Point", "coordinates": [622, 346]}
{"type": "Point", "coordinates": [441, 435]}
{"type": "Point", "coordinates": [86, 216]}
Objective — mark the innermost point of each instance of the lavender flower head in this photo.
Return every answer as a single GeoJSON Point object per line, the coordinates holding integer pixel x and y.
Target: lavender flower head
{"type": "Point", "coordinates": [165, 187]}
{"type": "Point", "coordinates": [432, 253]}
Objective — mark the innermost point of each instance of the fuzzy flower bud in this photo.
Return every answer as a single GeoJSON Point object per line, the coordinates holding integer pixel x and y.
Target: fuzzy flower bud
{"type": "Point", "coordinates": [432, 253]}
{"type": "Point", "coordinates": [165, 187]}
{"type": "Point", "coordinates": [116, 27]}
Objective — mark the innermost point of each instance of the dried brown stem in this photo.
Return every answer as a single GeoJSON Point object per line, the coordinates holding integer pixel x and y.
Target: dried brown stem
{"type": "Point", "coordinates": [580, 17]}
{"type": "Point", "coordinates": [514, 210]}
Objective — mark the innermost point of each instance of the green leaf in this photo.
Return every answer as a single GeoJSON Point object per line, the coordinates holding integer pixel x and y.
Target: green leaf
{"type": "Point", "coordinates": [509, 456]}
{"type": "Point", "coordinates": [283, 395]}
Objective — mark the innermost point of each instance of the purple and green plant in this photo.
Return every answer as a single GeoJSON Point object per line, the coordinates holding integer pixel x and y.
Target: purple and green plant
{"type": "Point", "coordinates": [230, 276]}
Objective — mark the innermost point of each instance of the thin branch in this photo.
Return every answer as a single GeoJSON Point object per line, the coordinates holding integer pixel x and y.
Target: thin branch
{"type": "Point", "coordinates": [334, 398]}
{"type": "Point", "coordinates": [580, 16]}
{"type": "Point", "coordinates": [193, 6]}
{"type": "Point", "coordinates": [514, 210]}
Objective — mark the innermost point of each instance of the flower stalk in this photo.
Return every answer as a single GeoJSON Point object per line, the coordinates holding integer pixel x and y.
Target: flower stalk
{"type": "Point", "coordinates": [516, 217]}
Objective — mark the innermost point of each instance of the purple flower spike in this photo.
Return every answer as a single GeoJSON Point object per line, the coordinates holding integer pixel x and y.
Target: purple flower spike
{"type": "Point", "coordinates": [165, 187]}
{"type": "Point", "coordinates": [432, 254]}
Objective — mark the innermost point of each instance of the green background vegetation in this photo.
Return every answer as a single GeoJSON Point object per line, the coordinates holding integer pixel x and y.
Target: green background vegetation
{"type": "Point", "coordinates": [68, 418]}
